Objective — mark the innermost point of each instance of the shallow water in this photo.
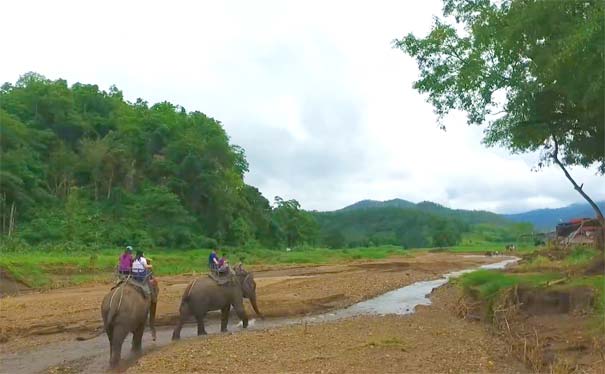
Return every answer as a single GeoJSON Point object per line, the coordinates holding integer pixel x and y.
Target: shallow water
{"type": "Point", "coordinates": [405, 299]}
{"type": "Point", "coordinates": [92, 355]}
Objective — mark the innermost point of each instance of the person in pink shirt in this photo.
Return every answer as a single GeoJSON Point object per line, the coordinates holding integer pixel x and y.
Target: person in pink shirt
{"type": "Point", "coordinates": [125, 263]}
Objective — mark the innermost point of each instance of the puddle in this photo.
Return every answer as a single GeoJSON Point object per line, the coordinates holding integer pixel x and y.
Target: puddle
{"type": "Point", "coordinates": [92, 356]}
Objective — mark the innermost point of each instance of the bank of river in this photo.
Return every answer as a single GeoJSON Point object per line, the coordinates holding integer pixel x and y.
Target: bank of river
{"type": "Point", "coordinates": [286, 296]}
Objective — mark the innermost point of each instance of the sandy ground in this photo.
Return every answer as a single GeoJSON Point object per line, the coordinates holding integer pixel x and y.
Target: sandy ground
{"type": "Point", "coordinates": [433, 340]}
{"type": "Point", "coordinates": [30, 320]}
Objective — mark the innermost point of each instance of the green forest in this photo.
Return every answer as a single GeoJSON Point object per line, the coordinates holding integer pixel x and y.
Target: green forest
{"type": "Point", "coordinates": [84, 168]}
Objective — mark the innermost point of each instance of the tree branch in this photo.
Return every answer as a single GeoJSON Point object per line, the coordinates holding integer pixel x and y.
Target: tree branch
{"type": "Point", "coordinates": [555, 156]}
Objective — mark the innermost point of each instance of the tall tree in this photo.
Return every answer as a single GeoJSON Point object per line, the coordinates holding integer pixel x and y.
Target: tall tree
{"type": "Point", "coordinates": [532, 71]}
{"type": "Point", "coordinates": [130, 164]}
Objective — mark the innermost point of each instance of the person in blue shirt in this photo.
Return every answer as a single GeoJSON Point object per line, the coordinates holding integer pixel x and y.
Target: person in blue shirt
{"type": "Point", "coordinates": [213, 260]}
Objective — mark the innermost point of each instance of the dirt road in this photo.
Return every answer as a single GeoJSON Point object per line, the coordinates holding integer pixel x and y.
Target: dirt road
{"type": "Point", "coordinates": [39, 319]}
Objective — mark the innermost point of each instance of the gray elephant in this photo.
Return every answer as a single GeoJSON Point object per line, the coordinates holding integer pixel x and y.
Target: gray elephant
{"type": "Point", "coordinates": [125, 310]}
{"type": "Point", "coordinates": [204, 294]}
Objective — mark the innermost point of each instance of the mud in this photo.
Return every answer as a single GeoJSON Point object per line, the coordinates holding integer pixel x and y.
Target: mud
{"type": "Point", "coordinates": [32, 323]}
{"type": "Point", "coordinates": [554, 329]}
{"type": "Point", "coordinates": [9, 286]}
{"type": "Point", "coordinates": [432, 340]}
{"type": "Point", "coordinates": [539, 302]}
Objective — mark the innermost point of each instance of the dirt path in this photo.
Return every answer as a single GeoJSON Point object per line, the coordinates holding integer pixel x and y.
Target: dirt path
{"type": "Point", "coordinates": [42, 318]}
{"type": "Point", "coordinates": [433, 340]}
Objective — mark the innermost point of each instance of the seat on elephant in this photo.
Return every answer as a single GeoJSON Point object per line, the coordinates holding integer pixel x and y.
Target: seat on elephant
{"type": "Point", "coordinates": [222, 279]}
{"type": "Point", "coordinates": [142, 287]}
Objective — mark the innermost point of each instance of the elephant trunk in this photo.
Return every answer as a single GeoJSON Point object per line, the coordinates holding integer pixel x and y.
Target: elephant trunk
{"type": "Point", "coordinates": [255, 307]}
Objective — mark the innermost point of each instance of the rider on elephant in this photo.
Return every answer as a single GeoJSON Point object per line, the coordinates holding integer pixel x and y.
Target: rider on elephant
{"type": "Point", "coordinates": [141, 270]}
{"type": "Point", "coordinates": [213, 260]}
{"type": "Point", "coordinates": [125, 262]}
{"type": "Point", "coordinates": [223, 265]}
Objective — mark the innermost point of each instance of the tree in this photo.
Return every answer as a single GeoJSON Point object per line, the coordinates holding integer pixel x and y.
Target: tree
{"type": "Point", "coordinates": [531, 71]}
{"type": "Point", "coordinates": [239, 232]}
{"type": "Point", "coordinates": [292, 225]}
{"type": "Point", "coordinates": [334, 239]}
{"type": "Point", "coordinates": [155, 174]}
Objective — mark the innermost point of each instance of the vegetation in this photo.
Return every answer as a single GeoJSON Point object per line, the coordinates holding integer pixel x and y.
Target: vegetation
{"type": "Point", "coordinates": [513, 65]}
{"type": "Point", "coordinates": [394, 226]}
{"type": "Point", "coordinates": [544, 270]}
{"type": "Point", "coordinates": [422, 225]}
{"type": "Point", "coordinates": [488, 283]}
{"type": "Point", "coordinates": [83, 168]}
{"type": "Point", "coordinates": [42, 269]}
{"type": "Point", "coordinates": [577, 258]}
{"type": "Point", "coordinates": [58, 266]}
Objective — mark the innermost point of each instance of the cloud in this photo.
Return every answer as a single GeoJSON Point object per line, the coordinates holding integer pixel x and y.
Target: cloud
{"type": "Point", "coordinates": [313, 91]}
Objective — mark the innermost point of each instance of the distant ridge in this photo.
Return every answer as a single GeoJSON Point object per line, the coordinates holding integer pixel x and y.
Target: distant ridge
{"type": "Point", "coordinates": [547, 219]}
{"type": "Point", "coordinates": [370, 204]}
{"type": "Point", "coordinates": [542, 219]}
{"type": "Point", "coordinates": [468, 216]}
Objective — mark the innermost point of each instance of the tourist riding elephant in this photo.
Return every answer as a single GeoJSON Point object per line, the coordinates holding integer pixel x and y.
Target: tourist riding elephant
{"type": "Point", "coordinates": [205, 294]}
{"type": "Point", "coordinates": [125, 310]}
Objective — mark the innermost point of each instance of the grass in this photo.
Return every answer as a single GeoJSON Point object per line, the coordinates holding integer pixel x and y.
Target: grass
{"type": "Point", "coordinates": [482, 247]}
{"type": "Point", "coordinates": [488, 283]}
{"type": "Point", "coordinates": [59, 269]}
{"type": "Point", "coordinates": [52, 269]}
{"type": "Point", "coordinates": [577, 258]}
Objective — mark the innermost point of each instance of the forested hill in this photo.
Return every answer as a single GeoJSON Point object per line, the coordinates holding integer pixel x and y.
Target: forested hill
{"type": "Point", "coordinates": [83, 166]}
{"type": "Point", "coordinates": [409, 228]}
{"type": "Point", "coordinates": [467, 216]}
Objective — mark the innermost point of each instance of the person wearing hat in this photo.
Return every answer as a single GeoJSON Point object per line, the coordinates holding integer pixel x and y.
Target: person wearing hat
{"type": "Point", "coordinates": [125, 263]}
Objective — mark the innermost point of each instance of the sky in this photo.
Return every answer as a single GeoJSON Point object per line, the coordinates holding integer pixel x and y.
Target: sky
{"type": "Point", "coordinates": [312, 90]}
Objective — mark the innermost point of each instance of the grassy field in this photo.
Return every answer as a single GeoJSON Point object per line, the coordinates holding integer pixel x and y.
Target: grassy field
{"type": "Point", "coordinates": [59, 269]}
{"type": "Point", "coordinates": [42, 269]}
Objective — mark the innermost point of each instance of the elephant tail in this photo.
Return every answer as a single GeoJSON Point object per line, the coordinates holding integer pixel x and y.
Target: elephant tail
{"type": "Point", "coordinates": [187, 293]}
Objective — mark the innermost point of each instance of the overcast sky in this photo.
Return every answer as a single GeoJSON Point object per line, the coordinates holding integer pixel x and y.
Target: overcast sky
{"type": "Point", "coordinates": [312, 90]}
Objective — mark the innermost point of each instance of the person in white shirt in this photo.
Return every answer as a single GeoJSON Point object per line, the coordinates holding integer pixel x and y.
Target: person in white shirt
{"type": "Point", "coordinates": [140, 267]}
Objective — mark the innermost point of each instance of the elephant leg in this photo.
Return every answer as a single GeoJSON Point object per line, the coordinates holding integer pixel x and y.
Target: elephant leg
{"type": "Point", "coordinates": [225, 318]}
{"type": "Point", "coordinates": [117, 339]}
{"type": "Point", "coordinates": [137, 338]}
{"type": "Point", "coordinates": [200, 325]}
{"type": "Point", "coordinates": [241, 313]}
{"type": "Point", "coordinates": [152, 309]}
{"type": "Point", "coordinates": [184, 314]}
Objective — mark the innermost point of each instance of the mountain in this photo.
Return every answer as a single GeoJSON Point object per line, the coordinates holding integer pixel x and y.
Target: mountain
{"type": "Point", "coordinates": [547, 219]}
{"type": "Point", "coordinates": [467, 216]}
{"type": "Point", "coordinates": [388, 225]}
{"type": "Point", "coordinates": [370, 204]}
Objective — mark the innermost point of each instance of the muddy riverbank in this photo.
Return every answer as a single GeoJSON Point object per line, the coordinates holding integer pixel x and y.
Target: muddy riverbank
{"type": "Point", "coordinates": [432, 340]}
{"type": "Point", "coordinates": [33, 322]}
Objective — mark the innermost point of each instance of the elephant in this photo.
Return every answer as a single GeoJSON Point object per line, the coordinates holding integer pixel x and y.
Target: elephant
{"type": "Point", "coordinates": [125, 310]}
{"type": "Point", "coordinates": [204, 294]}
